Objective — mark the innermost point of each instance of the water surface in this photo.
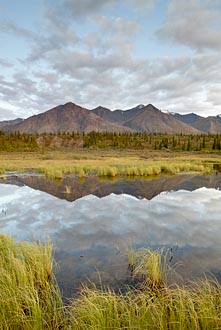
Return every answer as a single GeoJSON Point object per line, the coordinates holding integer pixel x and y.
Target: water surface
{"type": "Point", "coordinates": [91, 234]}
{"type": "Point", "coordinates": [139, 187]}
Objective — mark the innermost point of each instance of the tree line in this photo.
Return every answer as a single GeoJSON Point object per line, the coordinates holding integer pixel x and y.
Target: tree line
{"type": "Point", "coordinates": [17, 141]}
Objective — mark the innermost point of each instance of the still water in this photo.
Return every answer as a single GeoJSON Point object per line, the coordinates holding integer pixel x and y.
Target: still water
{"type": "Point", "coordinates": [94, 224]}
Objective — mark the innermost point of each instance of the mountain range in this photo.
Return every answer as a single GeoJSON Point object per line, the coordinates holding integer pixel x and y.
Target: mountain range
{"type": "Point", "coordinates": [71, 117]}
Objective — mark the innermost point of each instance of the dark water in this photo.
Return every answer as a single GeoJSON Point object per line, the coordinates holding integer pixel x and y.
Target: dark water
{"type": "Point", "coordinates": [94, 225]}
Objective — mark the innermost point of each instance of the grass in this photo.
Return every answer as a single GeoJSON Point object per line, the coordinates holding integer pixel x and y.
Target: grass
{"type": "Point", "coordinates": [57, 164]}
{"type": "Point", "coordinates": [68, 189]}
{"type": "Point", "coordinates": [30, 299]}
{"type": "Point", "coordinates": [153, 304]}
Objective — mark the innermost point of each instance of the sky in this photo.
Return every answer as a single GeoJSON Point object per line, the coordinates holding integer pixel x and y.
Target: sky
{"type": "Point", "coordinates": [113, 53]}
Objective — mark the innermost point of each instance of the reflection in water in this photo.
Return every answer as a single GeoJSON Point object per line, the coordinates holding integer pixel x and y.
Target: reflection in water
{"type": "Point", "coordinates": [91, 234]}
{"type": "Point", "coordinates": [72, 188]}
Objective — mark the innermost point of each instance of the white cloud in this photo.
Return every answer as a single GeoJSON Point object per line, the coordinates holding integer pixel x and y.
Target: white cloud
{"type": "Point", "coordinates": [84, 53]}
{"type": "Point", "coordinates": [192, 23]}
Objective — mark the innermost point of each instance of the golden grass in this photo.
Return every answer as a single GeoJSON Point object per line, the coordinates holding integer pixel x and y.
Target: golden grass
{"type": "Point", "coordinates": [154, 305]}
{"type": "Point", "coordinates": [107, 163]}
{"type": "Point", "coordinates": [29, 298]}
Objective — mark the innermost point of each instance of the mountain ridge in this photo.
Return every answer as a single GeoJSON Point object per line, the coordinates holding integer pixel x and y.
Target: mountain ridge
{"type": "Point", "coordinates": [71, 117]}
{"type": "Point", "coordinates": [210, 124]}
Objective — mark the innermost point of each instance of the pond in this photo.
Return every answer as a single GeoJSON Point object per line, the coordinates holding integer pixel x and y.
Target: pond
{"type": "Point", "coordinates": [92, 223]}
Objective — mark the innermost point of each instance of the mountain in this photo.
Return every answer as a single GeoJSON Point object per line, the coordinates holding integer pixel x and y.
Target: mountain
{"type": "Point", "coordinates": [10, 122]}
{"type": "Point", "coordinates": [117, 116]}
{"type": "Point", "coordinates": [152, 120]}
{"type": "Point", "coordinates": [71, 117]}
{"type": "Point", "coordinates": [66, 118]}
{"type": "Point", "coordinates": [146, 119]}
{"type": "Point", "coordinates": [210, 124]}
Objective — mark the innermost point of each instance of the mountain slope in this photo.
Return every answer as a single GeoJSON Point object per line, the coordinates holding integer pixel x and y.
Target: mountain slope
{"type": "Point", "coordinates": [117, 116]}
{"type": "Point", "coordinates": [10, 122]}
{"type": "Point", "coordinates": [145, 119]}
{"type": "Point", "coordinates": [208, 125]}
{"type": "Point", "coordinates": [71, 117]}
{"type": "Point", "coordinates": [152, 120]}
{"type": "Point", "coordinates": [66, 118]}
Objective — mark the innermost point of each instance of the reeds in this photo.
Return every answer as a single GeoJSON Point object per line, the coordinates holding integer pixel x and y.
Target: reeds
{"type": "Point", "coordinates": [154, 305]}
{"type": "Point", "coordinates": [29, 298]}
{"type": "Point", "coordinates": [67, 189]}
{"type": "Point", "coordinates": [110, 164]}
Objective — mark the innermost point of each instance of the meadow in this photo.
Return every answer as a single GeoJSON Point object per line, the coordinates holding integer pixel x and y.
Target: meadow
{"type": "Point", "coordinates": [109, 154]}
{"type": "Point", "coordinates": [30, 297]}
{"type": "Point", "coordinates": [111, 163]}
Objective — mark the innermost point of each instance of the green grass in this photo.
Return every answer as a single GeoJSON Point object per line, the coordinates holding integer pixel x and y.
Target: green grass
{"type": "Point", "coordinates": [30, 299]}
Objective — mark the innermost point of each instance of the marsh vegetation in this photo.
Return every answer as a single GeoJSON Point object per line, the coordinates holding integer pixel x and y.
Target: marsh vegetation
{"type": "Point", "coordinates": [30, 298]}
{"type": "Point", "coordinates": [101, 153]}
{"type": "Point", "coordinates": [109, 163]}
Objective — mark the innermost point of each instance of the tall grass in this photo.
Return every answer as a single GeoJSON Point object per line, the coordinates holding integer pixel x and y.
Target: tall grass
{"type": "Point", "coordinates": [111, 164]}
{"type": "Point", "coordinates": [29, 298]}
{"type": "Point", "coordinates": [125, 168]}
{"type": "Point", "coordinates": [154, 305]}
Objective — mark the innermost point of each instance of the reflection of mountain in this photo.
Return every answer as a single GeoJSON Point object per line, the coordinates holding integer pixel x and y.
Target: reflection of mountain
{"type": "Point", "coordinates": [140, 188]}
{"type": "Point", "coordinates": [91, 235]}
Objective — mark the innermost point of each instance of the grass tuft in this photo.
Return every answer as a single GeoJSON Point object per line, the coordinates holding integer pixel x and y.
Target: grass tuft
{"type": "Point", "coordinates": [154, 305]}
{"type": "Point", "coordinates": [29, 298]}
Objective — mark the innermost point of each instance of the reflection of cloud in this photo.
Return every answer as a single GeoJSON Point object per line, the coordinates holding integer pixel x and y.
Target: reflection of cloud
{"type": "Point", "coordinates": [186, 218]}
{"type": "Point", "coordinates": [91, 234]}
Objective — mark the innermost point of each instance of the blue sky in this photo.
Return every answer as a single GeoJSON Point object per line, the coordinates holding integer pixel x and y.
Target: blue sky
{"type": "Point", "coordinates": [112, 53]}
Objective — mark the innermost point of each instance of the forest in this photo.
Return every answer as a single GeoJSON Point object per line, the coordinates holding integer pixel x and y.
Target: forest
{"type": "Point", "coordinates": [24, 142]}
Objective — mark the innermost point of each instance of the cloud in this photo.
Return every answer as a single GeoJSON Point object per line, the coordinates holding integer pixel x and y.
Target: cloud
{"type": "Point", "coordinates": [46, 44]}
{"type": "Point", "coordinates": [144, 7]}
{"type": "Point", "coordinates": [87, 54]}
{"type": "Point", "coordinates": [192, 23]}
{"type": "Point", "coordinates": [10, 27]}
{"type": "Point", "coordinates": [80, 9]}
{"type": "Point", "coordinates": [169, 82]}
{"type": "Point", "coordinates": [213, 96]}
{"type": "Point", "coordinates": [120, 25]}
{"type": "Point", "coordinates": [5, 112]}
{"type": "Point", "coordinates": [67, 10]}
{"type": "Point", "coordinates": [5, 63]}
